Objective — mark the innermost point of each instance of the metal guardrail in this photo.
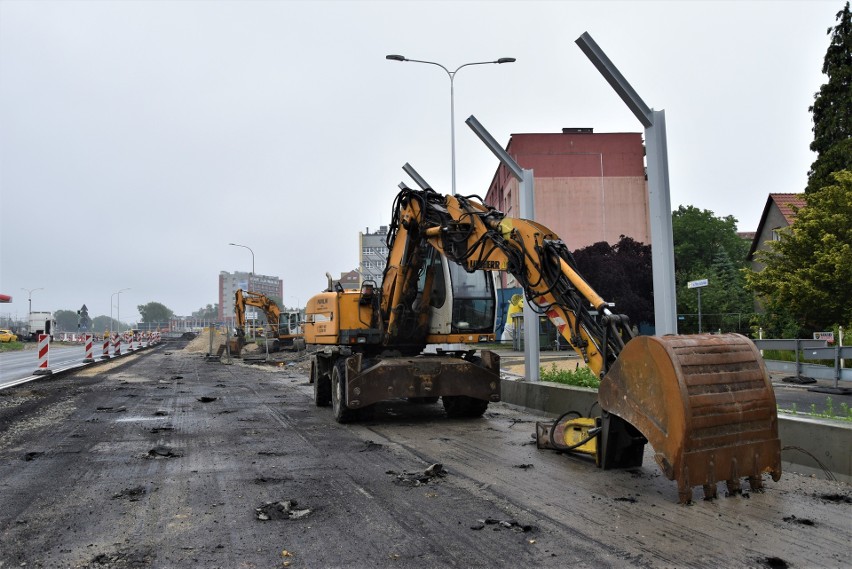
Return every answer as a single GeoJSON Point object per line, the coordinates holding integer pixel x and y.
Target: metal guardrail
{"type": "Point", "coordinates": [811, 350]}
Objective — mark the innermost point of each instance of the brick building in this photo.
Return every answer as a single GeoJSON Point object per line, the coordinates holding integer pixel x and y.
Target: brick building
{"type": "Point", "coordinates": [588, 187]}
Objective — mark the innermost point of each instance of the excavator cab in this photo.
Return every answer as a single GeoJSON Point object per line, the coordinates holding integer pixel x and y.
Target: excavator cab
{"type": "Point", "coordinates": [464, 311]}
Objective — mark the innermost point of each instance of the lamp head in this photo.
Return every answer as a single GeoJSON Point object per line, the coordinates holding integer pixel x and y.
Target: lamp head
{"type": "Point", "coordinates": [395, 57]}
{"type": "Point", "coordinates": [506, 60]}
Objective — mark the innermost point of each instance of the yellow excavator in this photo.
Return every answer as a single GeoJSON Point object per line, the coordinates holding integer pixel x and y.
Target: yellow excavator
{"type": "Point", "coordinates": [286, 325]}
{"type": "Point", "coordinates": [704, 402]}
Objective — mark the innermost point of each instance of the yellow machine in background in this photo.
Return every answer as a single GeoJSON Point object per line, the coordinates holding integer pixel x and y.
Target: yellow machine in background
{"type": "Point", "coordinates": [704, 402]}
{"type": "Point", "coordinates": [285, 326]}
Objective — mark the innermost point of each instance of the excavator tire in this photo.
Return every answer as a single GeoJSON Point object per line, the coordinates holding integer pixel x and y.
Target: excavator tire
{"type": "Point", "coordinates": [322, 386]}
{"type": "Point", "coordinates": [463, 407]}
{"type": "Point", "coordinates": [342, 413]}
{"type": "Point", "coordinates": [706, 405]}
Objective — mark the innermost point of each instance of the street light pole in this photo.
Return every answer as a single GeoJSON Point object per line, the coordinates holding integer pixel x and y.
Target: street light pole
{"type": "Point", "coordinates": [252, 254]}
{"type": "Point", "coordinates": [452, 76]}
{"type": "Point", "coordinates": [117, 307]}
{"type": "Point", "coordinates": [30, 292]}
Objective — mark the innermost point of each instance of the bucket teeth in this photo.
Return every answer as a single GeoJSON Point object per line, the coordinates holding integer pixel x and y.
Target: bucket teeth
{"type": "Point", "coordinates": [734, 486]}
{"type": "Point", "coordinates": [756, 483]}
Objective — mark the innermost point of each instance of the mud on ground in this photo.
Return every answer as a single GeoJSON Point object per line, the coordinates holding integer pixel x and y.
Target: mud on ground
{"type": "Point", "coordinates": [172, 460]}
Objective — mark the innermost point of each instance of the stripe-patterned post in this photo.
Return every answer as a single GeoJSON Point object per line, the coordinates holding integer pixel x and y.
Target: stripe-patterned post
{"type": "Point", "coordinates": [89, 349]}
{"type": "Point", "coordinates": [43, 348]}
{"type": "Point", "coordinates": [130, 339]}
{"type": "Point", "coordinates": [116, 345]}
{"type": "Point", "coordinates": [106, 348]}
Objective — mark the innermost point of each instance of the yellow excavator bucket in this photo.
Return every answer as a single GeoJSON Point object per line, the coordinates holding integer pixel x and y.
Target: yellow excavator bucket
{"type": "Point", "coordinates": [706, 405]}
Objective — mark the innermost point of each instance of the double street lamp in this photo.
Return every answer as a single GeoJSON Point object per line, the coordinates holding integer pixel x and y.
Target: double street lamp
{"type": "Point", "coordinates": [452, 76]}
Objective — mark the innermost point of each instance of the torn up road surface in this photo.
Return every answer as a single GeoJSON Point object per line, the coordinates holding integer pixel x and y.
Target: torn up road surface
{"type": "Point", "coordinates": [168, 460]}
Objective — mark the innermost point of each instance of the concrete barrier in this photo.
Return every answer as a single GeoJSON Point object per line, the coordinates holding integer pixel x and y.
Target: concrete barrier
{"type": "Point", "coordinates": [827, 441]}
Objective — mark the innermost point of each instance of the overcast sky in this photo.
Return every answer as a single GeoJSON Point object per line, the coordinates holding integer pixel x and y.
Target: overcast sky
{"type": "Point", "coordinates": [137, 139]}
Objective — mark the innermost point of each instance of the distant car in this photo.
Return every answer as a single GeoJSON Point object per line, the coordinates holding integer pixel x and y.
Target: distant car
{"type": "Point", "coordinates": [7, 336]}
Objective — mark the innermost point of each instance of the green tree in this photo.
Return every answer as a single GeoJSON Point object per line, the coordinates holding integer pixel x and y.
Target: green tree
{"type": "Point", "coordinates": [708, 247]}
{"type": "Point", "coordinates": [698, 236]}
{"type": "Point", "coordinates": [103, 323]}
{"type": "Point", "coordinates": [66, 320]}
{"type": "Point", "coordinates": [808, 271]}
{"type": "Point", "coordinates": [154, 312]}
{"type": "Point", "coordinates": [209, 312]}
{"type": "Point", "coordinates": [832, 108]}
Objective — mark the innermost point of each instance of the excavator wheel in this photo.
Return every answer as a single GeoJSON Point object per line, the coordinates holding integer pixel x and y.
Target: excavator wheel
{"type": "Point", "coordinates": [423, 400]}
{"type": "Point", "coordinates": [322, 387]}
{"type": "Point", "coordinates": [463, 407]}
{"type": "Point", "coordinates": [704, 402]}
{"type": "Point", "coordinates": [342, 413]}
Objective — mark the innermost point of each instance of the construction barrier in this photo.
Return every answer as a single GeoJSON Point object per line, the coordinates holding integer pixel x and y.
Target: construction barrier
{"type": "Point", "coordinates": [106, 348]}
{"type": "Point", "coordinates": [130, 343]}
{"type": "Point", "coordinates": [116, 346]}
{"type": "Point", "coordinates": [89, 349]}
{"type": "Point", "coordinates": [43, 348]}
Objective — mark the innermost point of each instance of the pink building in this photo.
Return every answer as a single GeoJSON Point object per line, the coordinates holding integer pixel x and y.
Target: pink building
{"type": "Point", "coordinates": [588, 187]}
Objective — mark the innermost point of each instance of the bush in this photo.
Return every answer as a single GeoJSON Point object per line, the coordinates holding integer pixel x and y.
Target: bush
{"type": "Point", "coordinates": [579, 377]}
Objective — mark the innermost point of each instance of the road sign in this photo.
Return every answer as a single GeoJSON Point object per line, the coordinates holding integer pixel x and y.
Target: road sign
{"type": "Point", "coordinates": [697, 284]}
{"type": "Point", "coordinates": [827, 336]}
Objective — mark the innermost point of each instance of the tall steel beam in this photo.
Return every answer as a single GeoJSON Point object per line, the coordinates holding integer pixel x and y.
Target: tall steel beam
{"type": "Point", "coordinates": [659, 196]}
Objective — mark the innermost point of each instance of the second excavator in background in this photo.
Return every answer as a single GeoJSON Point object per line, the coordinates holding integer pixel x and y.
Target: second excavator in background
{"type": "Point", "coordinates": [285, 326]}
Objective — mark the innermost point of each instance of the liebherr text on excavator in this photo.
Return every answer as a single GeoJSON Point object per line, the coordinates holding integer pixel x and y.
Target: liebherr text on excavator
{"type": "Point", "coordinates": [704, 402]}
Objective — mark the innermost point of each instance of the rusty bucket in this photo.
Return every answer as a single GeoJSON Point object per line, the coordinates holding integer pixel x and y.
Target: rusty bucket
{"type": "Point", "coordinates": [706, 405]}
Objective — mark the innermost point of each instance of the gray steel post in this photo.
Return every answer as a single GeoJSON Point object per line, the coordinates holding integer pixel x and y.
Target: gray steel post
{"type": "Point", "coordinates": [532, 347]}
{"type": "Point", "coordinates": [662, 238]}
{"type": "Point", "coordinates": [659, 200]}
{"type": "Point", "coordinates": [526, 201]}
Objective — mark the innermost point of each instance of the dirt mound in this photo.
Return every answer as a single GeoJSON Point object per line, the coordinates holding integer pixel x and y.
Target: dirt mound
{"type": "Point", "coordinates": [201, 344]}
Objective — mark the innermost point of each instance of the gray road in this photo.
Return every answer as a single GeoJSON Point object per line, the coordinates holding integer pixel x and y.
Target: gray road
{"type": "Point", "coordinates": [162, 460]}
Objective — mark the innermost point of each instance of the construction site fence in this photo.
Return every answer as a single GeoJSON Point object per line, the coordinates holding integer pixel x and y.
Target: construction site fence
{"type": "Point", "coordinates": [806, 354]}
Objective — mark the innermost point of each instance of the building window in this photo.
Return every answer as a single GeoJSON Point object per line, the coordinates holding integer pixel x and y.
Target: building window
{"type": "Point", "coordinates": [776, 234]}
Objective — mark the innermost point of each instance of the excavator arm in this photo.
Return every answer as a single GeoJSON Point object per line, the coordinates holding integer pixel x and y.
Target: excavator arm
{"type": "Point", "coordinates": [704, 402]}
{"type": "Point", "coordinates": [478, 237]}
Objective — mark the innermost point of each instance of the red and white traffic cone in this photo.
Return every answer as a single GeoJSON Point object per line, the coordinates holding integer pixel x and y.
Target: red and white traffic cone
{"type": "Point", "coordinates": [43, 348]}
{"type": "Point", "coordinates": [89, 350]}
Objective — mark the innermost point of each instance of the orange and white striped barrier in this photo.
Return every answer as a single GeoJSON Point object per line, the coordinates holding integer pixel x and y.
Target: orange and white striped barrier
{"type": "Point", "coordinates": [89, 349]}
{"type": "Point", "coordinates": [43, 348]}
{"type": "Point", "coordinates": [105, 356]}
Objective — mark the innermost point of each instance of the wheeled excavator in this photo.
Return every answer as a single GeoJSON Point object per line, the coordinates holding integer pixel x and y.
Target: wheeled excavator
{"type": "Point", "coordinates": [286, 325]}
{"type": "Point", "coordinates": [704, 402]}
